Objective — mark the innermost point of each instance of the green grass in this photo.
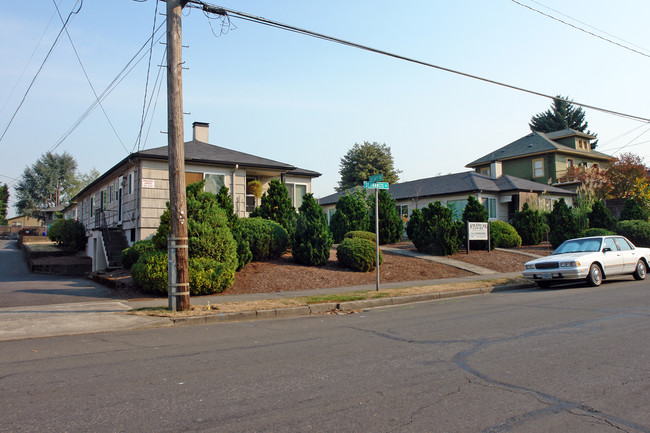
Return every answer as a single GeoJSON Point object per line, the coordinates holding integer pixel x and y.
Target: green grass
{"type": "Point", "coordinates": [343, 297]}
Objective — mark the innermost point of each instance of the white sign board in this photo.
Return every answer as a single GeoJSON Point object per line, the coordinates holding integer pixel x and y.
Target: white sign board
{"type": "Point", "coordinates": [477, 231]}
{"type": "Point", "coordinates": [148, 183]}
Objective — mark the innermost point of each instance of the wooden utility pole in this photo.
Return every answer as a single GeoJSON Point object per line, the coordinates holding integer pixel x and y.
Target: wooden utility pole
{"type": "Point", "coordinates": [179, 287]}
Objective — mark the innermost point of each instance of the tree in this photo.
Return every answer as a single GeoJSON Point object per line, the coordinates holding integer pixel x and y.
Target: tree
{"type": "Point", "coordinates": [225, 202]}
{"type": "Point", "coordinates": [351, 214]}
{"type": "Point", "coordinates": [530, 225]}
{"type": "Point", "coordinates": [49, 182]}
{"type": "Point", "coordinates": [83, 180]}
{"type": "Point", "coordinates": [390, 221]}
{"type": "Point", "coordinates": [633, 210]}
{"type": "Point", "coordinates": [276, 206]}
{"type": "Point", "coordinates": [365, 160]}
{"type": "Point", "coordinates": [562, 115]}
{"type": "Point", "coordinates": [4, 203]}
{"type": "Point", "coordinates": [312, 241]}
{"type": "Point", "coordinates": [623, 174]}
{"type": "Point", "coordinates": [562, 224]}
{"type": "Point", "coordinates": [601, 217]}
{"type": "Point", "coordinates": [432, 230]}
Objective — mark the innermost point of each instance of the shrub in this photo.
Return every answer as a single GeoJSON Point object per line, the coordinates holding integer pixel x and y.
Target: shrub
{"type": "Point", "coordinates": [225, 202]}
{"type": "Point", "coordinates": [207, 276]}
{"type": "Point", "coordinates": [276, 206]}
{"type": "Point", "coordinates": [600, 216]}
{"type": "Point", "coordinates": [391, 225]}
{"type": "Point", "coordinates": [131, 254]}
{"type": "Point", "coordinates": [530, 225]}
{"type": "Point", "coordinates": [351, 214]}
{"type": "Point", "coordinates": [68, 233]}
{"type": "Point", "coordinates": [244, 254]}
{"type": "Point", "coordinates": [633, 210]}
{"type": "Point", "coordinates": [358, 254]}
{"type": "Point", "coordinates": [637, 231]}
{"type": "Point", "coordinates": [266, 238]}
{"type": "Point", "coordinates": [360, 234]}
{"type": "Point", "coordinates": [474, 211]}
{"type": "Point", "coordinates": [312, 241]}
{"type": "Point", "coordinates": [596, 231]}
{"type": "Point", "coordinates": [503, 235]}
{"type": "Point", "coordinates": [433, 231]}
{"type": "Point", "coordinates": [562, 224]}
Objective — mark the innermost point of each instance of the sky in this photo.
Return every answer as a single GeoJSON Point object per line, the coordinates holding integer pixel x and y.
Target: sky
{"type": "Point", "coordinates": [306, 101]}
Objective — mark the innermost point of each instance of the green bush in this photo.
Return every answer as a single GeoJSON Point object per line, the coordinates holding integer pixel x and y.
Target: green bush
{"type": "Point", "coordinates": [637, 231]}
{"type": "Point", "coordinates": [244, 254]}
{"type": "Point", "coordinates": [433, 230]}
{"type": "Point", "coordinates": [276, 206]}
{"type": "Point", "coordinates": [503, 235]}
{"type": "Point", "coordinates": [596, 231]}
{"type": "Point", "coordinates": [358, 254]}
{"type": "Point", "coordinates": [530, 225]}
{"type": "Point", "coordinates": [267, 239]}
{"type": "Point", "coordinates": [601, 217]}
{"type": "Point", "coordinates": [312, 241]}
{"type": "Point", "coordinates": [207, 276]}
{"type": "Point", "coordinates": [351, 214]}
{"type": "Point", "coordinates": [391, 225]}
{"type": "Point", "coordinates": [562, 224]}
{"type": "Point", "coordinates": [69, 234]}
{"type": "Point", "coordinates": [633, 210]}
{"type": "Point", "coordinates": [360, 234]}
{"type": "Point", "coordinates": [131, 254]}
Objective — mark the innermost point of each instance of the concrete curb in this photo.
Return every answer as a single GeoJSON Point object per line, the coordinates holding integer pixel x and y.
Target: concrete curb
{"type": "Point", "coordinates": [345, 307]}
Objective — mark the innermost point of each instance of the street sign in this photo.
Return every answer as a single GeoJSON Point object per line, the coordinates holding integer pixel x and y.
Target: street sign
{"type": "Point", "coordinates": [375, 185]}
{"type": "Point", "coordinates": [376, 178]}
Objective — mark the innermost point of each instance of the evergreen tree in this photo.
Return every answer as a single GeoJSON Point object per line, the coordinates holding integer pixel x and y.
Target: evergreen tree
{"type": "Point", "coordinates": [562, 115]}
{"type": "Point", "coordinates": [365, 160]}
{"type": "Point", "coordinates": [562, 224]}
{"type": "Point", "coordinates": [633, 210]}
{"type": "Point", "coordinates": [391, 225]}
{"type": "Point", "coordinates": [530, 225]}
{"type": "Point", "coordinates": [600, 216]}
{"type": "Point", "coordinates": [432, 230]}
{"type": "Point", "coordinates": [312, 241]}
{"type": "Point", "coordinates": [225, 202]}
{"type": "Point", "coordinates": [4, 203]}
{"type": "Point", "coordinates": [351, 214]}
{"type": "Point", "coordinates": [276, 206]}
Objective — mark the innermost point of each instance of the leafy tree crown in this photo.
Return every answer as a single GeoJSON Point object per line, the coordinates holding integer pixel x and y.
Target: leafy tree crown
{"type": "Point", "coordinates": [365, 160]}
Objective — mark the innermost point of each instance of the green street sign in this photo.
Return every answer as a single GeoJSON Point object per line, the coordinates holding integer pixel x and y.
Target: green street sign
{"type": "Point", "coordinates": [375, 185]}
{"type": "Point", "coordinates": [376, 178]}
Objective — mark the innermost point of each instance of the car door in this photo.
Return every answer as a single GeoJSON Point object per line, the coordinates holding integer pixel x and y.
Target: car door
{"type": "Point", "coordinates": [613, 262]}
{"type": "Point", "coordinates": [628, 253]}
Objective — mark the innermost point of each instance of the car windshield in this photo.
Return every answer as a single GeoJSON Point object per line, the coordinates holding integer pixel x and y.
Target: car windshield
{"type": "Point", "coordinates": [578, 246]}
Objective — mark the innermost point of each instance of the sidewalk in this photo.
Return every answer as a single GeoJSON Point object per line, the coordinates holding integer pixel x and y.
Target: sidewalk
{"type": "Point", "coordinates": [105, 316]}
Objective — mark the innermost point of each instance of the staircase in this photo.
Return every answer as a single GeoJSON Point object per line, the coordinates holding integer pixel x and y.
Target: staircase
{"type": "Point", "coordinates": [114, 242]}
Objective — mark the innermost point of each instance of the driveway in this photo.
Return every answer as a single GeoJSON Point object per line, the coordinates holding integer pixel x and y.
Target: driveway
{"type": "Point", "coordinates": [19, 287]}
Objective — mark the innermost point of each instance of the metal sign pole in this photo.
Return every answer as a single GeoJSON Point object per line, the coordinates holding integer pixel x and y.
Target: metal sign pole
{"type": "Point", "coordinates": [377, 233]}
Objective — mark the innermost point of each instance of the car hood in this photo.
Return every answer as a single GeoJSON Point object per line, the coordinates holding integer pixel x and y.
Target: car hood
{"type": "Point", "coordinates": [567, 257]}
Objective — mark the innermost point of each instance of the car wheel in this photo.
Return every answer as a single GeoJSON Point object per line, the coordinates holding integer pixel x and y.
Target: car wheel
{"type": "Point", "coordinates": [543, 284]}
{"type": "Point", "coordinates": [640, 271]}
{"type": "Point", "coordinates": [595, 276]}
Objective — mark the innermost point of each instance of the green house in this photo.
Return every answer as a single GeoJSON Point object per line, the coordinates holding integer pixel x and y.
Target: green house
{"type": "Point", "coordinates": [543, 157]}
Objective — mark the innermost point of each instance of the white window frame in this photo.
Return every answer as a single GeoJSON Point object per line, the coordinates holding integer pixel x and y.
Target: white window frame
{"type": "Point", "coordinates": [293, 192]}
{"type": "Point", "coordinates": [536, 169]}
{"type": "Point", "coordinates": [130, 179]}
{"type": "Point", "coordinates": [209, 173]}
{"type": "Point", "coordinates": [490, 204]}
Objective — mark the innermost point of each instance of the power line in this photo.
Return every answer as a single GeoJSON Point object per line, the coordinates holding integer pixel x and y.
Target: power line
{"type": "Point", "coordinates": [41, 68]}
{"type": "Point", "coordinates": [260, 20]}
{"type": "Point", "coordinates": [88, 79]}
{"type": "Point", "coordinates": [580, 28]}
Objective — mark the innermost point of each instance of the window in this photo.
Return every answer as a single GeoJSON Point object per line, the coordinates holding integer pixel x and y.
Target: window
{"type": "Point", "coordinates": [92, 206]}
{"type": "Point", "coordinates": [130, 184]}
{"type": "Point", "coordinates": [485, 171]}
{"type": "Point", "coordinates": [330, 213]}
{"type": "Point", "coordinates": [296, 192]}
{"type": "Point", "coordinates": [251, 201]}
{"type": "Point", "coordinates": [102, 200]}
{"type": "Point", "coordinates": [457, 207]}
{"type": "Point", "coordinates": [538, 167]}
{"type": "Point", "coordinates": [403, 211]}
{"type": "Point", "coordinates": [609, 243]}
{"type": "Point", "coordinates": [490, 204]}
{"type": "Point", "coordinates": [622, 244]}
{"type": "Point", "coordinates": [110, 193]}
{"type": "Point", "coordinates": [116, 190]}
{"type": "Point", "coordinates": [214, 182]}
{"type": "Point", "coordinates": [569, 162]}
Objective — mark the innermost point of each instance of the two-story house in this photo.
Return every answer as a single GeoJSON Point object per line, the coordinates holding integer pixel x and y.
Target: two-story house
{"type": "Point", "coordinates": [125, 203]}
{"type": "Point", "coordinates": [544, 157]}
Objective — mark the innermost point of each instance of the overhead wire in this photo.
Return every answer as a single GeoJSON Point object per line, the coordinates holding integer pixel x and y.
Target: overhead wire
{"type": "Point", "coordinates": [275, 24]}
{"type": "Point", "coordinates": [89, 81]}
{"type": "Point", "coordinates": [54, 44]}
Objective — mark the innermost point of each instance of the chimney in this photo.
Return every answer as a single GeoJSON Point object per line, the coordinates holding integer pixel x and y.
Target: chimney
{"type": "Point", "coordinates": [496, 170]}
{"type": "Point", "coordinates": [200, 131]}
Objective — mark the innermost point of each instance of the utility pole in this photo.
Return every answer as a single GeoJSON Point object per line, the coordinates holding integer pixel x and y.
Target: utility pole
{"type": "Point", "coordinates": [179, 287]}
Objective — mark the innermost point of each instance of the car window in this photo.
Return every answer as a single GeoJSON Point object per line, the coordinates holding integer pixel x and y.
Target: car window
{"type": "Point", "coordinates": [579, 245]}
{"type": "Point", "coordinates": [609, 243]}
{"type": "Point", "coordinates": [623, 245]}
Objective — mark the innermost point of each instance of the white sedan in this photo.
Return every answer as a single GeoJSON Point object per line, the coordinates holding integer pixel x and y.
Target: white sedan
{"type": "Point", "coordinates": [592, 259]}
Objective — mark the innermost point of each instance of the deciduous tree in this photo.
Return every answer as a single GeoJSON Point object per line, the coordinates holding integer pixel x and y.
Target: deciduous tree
{"type": "Point", "coordinates": [365, 160]}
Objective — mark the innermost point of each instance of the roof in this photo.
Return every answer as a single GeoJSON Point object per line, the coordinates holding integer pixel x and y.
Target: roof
{"type": "Point", "coordinates": [458, 183]}
{"type": "Point", "coordinates": [205, 153]}
{"type": "Point", "coordinates": [536, 143]}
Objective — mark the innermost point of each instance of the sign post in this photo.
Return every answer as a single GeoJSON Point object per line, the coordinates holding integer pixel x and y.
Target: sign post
{"type": "Point", "coordinates": [478, 232]}
{"type": "Point", "coordinates": [374, 182]}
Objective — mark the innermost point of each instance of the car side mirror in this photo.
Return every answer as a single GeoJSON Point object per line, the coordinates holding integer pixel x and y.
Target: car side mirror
{"type": "Point", "coordinates": [606, 249]}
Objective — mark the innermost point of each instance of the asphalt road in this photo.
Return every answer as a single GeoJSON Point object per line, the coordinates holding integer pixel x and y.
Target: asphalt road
{"type": "Point", "coordinates": [19, 287]}
{"type": "Point", "coordinates": [574, 359]}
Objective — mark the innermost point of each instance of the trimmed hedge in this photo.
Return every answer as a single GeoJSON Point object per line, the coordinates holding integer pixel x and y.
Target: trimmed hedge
{"type": "Point", "coordinates": [131, 254]}
{"type": "Point", "coordinates": [267, 239]}
{"type": "Point", "coordinates": [358, 254]}
{"type": "Point", "coordinates": [596, 231]}
{"type": "Point", "coordinates": [361, 235]}
{"type": "Point", "coordinates": [69, 234]}
{"type": "Point", "coordinates": [433, 231]}
{"type": "Point", "coordinates": [207, 276]}
{"type": "Point", "coordinates": [530, 225]}
{"type": "Point", "coordinates": [503, 235]}
{"type": "Point", "coordinates": [637, 231]}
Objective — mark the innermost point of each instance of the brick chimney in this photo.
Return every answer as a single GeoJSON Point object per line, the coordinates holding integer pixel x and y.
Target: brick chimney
{"type": "Point", "coordinates": [200, 131]}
